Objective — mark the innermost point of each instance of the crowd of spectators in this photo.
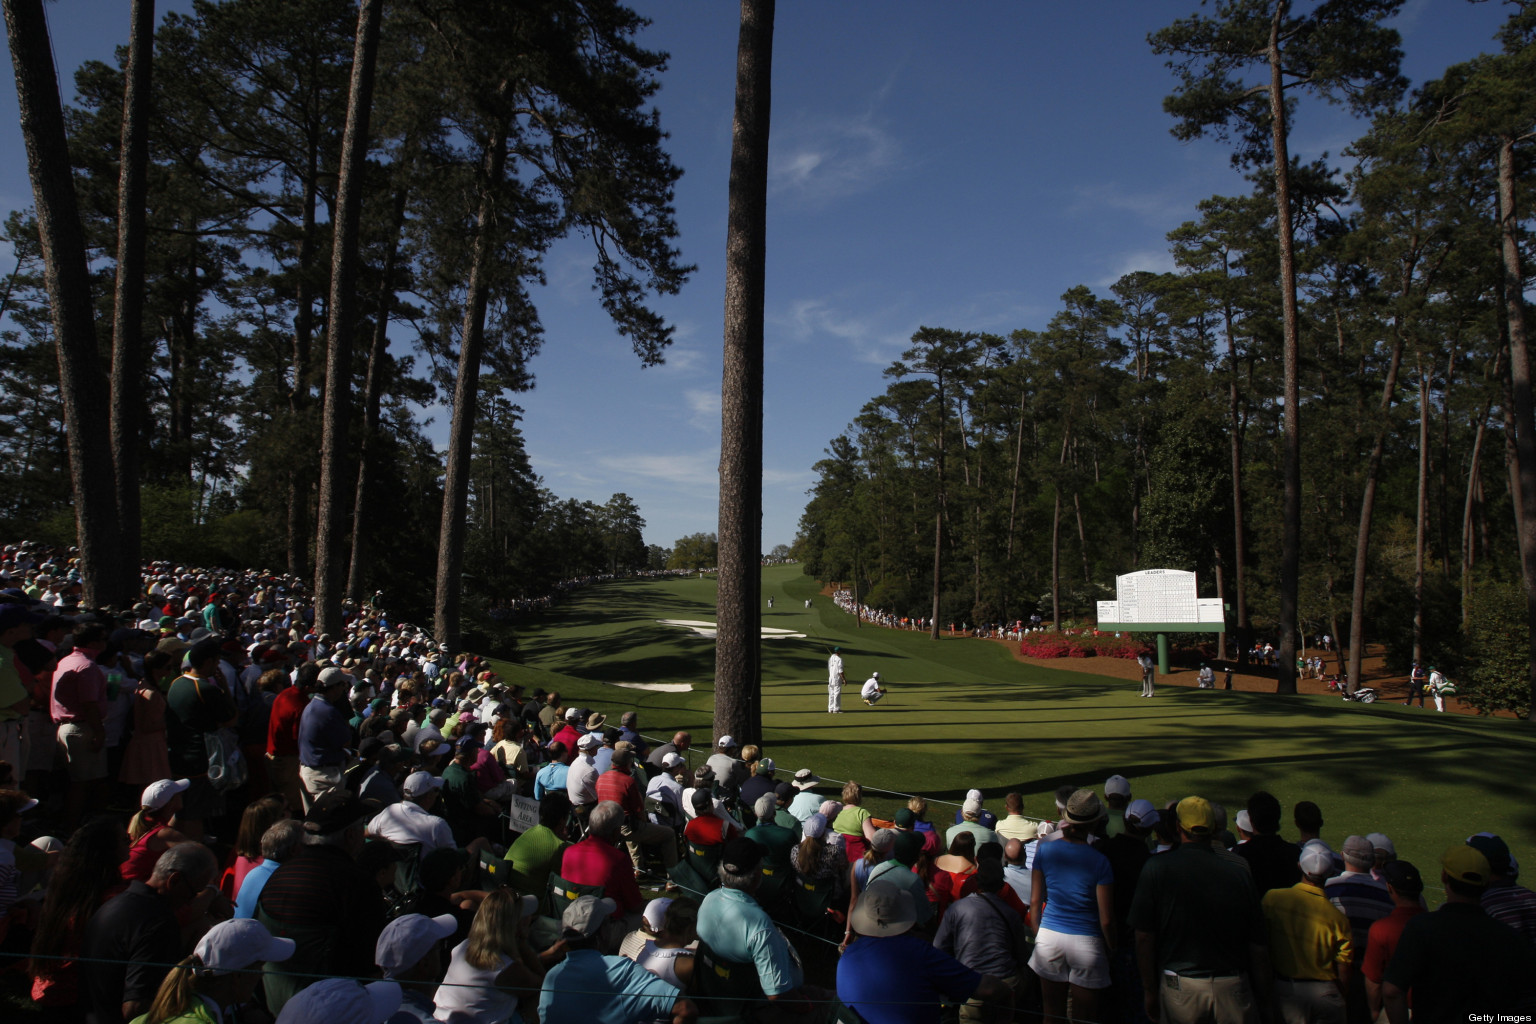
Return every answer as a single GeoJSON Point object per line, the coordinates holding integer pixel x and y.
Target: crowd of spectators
{"type": "Point", "coordinates": [258, 822]}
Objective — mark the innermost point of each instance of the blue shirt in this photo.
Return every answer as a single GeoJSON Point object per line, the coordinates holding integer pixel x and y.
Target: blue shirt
{"type": "Point", "coordinates": [551, 776]}
{"type": "Point", "coordinates": [737, 929]}
{"type": "Point", "coordinates": [633, 737]}
{"type": "Point", "coordinates": [899, 979]}
{"type": "Point", "coordinates": [250, 888]}
{"type": "Point", "coordinates": [595, 989]}
{"type": "Point", "coordinates": [323, 734]}
{"type": "Point", "coordinates": [1073, 872]}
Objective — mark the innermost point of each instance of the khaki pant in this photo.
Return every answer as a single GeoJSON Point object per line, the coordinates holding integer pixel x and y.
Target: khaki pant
{"type": "Point", "coordinates": [640, 834]}
{"type": "Point", "coordinates": [318, 781]}
{"type": "Point", "coordinates": [1225, 1000]}
{"type": "Point", "coordinates": [283, 771]}
{"type": "Point", "coordinates": [1309, 1002]}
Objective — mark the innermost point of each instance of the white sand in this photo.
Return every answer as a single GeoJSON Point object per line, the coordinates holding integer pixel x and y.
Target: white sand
{"type": "Point", "coordinates": [707, 629]}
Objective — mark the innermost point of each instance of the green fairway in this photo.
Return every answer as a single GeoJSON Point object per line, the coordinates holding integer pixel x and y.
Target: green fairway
{"type": "Point", "coordinates": [964, 712]}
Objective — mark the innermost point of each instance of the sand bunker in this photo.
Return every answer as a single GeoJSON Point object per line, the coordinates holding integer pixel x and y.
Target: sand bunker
{"type": "Point", "coordinates": [701, 628]}
{"type": "Point", "coordinates": [658, 687]}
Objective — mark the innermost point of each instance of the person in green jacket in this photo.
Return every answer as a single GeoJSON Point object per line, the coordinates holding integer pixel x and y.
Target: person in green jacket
{"type": "Point", "coordinates": [220, 975]}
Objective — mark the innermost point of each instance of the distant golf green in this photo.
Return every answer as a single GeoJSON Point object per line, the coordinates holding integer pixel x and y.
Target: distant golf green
{"type": "Point", "coordinates": [964, 713]}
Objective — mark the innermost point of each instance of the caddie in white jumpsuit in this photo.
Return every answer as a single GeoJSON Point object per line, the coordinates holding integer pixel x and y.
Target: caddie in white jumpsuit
{"type": "Point", "coordinates": [835, 683]}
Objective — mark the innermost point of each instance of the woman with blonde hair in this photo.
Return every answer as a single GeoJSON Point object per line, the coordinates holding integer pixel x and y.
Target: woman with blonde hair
{"type": "Point", "coordinates": [854, 823]}
{"type": "Point", "coordinates": [219, 977]}
{"type": "Point", "coordinates": [150, 831]}
{"type": "Point", "coordinates": [494, 958]}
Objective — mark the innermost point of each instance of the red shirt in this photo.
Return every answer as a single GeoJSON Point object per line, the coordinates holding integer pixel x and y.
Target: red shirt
{"type": "Point", "coordinates": [283, 726]}
{"type": "Point", "coordinates": [596, 862]}
{"type": "Point", "coordinates": [568, 736]}
{"type": "Point", "coordinates": [618, 785]}
{"type": "Point", "coordinates": [1382, 943]}
{"type": "Point", "coordinates": [708, 830]}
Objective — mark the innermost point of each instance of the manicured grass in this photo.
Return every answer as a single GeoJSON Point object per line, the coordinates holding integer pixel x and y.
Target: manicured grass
{"type": "Point", "coordinates": [964, 712]}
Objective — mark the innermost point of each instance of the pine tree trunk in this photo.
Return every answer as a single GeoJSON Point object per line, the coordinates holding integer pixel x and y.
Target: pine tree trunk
{"type": "Point", "coordinates": [1367, 511]}
{"type": "Point", "coordinates": [298, 394]}
{"type": "Point", "coordinates": [128, 294]}
{"type": "Point", "coordinates": [738, 637]}
{"type": "Point", "coordinates": [330, 524]}
{"type": "Point", "coordinates": [466, 390]}
{"type": "Point", "coordinates": [1474, 477]}
{"type": "Point", "coordinates": [1239, 545]}
{"type": "Point", "coordinates": [1290, 527]}
{"type": "Point", "coordinates": [1520, 384]}
{"type": "Point", "coordinates": [373, 394]}
{"type": "Point", "coordinates": [82, 388]}
{"type": "Point", "coordinates": [1421, 534]}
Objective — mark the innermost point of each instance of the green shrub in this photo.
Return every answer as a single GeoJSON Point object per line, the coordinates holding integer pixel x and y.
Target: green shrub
{"type": "Point", "coordinates": [1498, 650]}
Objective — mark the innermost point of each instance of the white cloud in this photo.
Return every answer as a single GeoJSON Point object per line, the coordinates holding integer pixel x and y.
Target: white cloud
{"type": "Point", "coordinates": [691, 469]}
{"type": "Point", "coordinates": [680, 360]}
{"type": "Point", "coordinates": [872, 342]}
{"type": "Point", "coordinates": [831, 158]}
{"type": "Point", "coordinates": [1158, 208]}
{"type": "Point", "coordinates": [1156, 261]}
{"type": "Point", "coordinates": [704, 409]}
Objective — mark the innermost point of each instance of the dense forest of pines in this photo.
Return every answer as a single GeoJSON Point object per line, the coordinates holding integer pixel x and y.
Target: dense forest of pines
{"type": "Point", "coordinates": [998, 477]}
{"type": "Point", "coordinates": [294, 225]}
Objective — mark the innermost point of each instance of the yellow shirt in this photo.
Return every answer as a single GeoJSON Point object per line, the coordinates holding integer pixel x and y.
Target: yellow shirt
{"type": "Point", "coordinates": [1307, 934]}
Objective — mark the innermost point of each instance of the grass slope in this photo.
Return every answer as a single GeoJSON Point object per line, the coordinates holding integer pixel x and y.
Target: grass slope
{"type": "Point", "coordinates": [964, 712]}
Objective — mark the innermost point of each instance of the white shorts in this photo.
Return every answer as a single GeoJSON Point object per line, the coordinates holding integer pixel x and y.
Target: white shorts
{"type": "Point", "coordinates": [1081, 960]}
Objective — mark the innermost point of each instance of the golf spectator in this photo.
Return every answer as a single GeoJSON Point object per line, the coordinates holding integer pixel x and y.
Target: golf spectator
{"type": "Point", "coordinates": [806, 801]}
{"type": "Point", "coordinates": [889, 976]}
{"type": "Point", "coordinates": [278, 844]}
{"type": "Point", "coordinates": [679, 746]}
{"type": "Point", "coordinates": [854, 823]}
{"type": "Point", "coordinates": [409, 953]}
{"type": "Point", "coordinates": [133, 939]}
{"type": "Point", "coordinates": [1013, 824]}
{"type": "Point", "coordinates": [411, 821]}
{"type": "Point", "coordinates": [78, 707]}
{"type": "Point", "coordinates": [588, 986]}
{"type": "Point", "coordinates": [1407, 889]}
{"type": "Point", "coordinates": [618, 785]}
{"type": "Point", "coordinates": [1457, 961]}
{"type": "Point", "coordinates": [552, 777]}
{"type": "Point", "coordinates": [985, 934]}
{"type": "Point", "coordinates": [1310, 945]}
{"type": "Point", "coordinates": [1200, 934]}
{"type": "Point", "coordinates": [972, 819]}
{"type": "Point", "coordinates": [538, 850]}
{"type": "Point", "coordinates": [1117, 795]}
{"type": "Point", "coordinates": [730, 770]}
{"type": "Point", "coordinates": [629, 732]}
{"type": "Point", "coordinates": [983, 817]}
{"type": "Point", "coordinates": [738, 931]}
{"type": "Point", "coordinates": [1503, 899]}
{"type": "Point", "coordinates": [1072, 913]}
{"type": "Point", "coordinates": [324, 736]}
{"type": "Point", "coordinates": [597, 860]}
{"type": "Point", "coordinates": [1273, 860]}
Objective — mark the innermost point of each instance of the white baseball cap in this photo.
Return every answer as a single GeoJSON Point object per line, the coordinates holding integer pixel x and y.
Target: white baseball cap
{"type": "Point", "coordinates": [408, 938]}
{"type": "Point", "coordinates": [235, 945]}
{"type": "Point", "coordinates": [158, 794]}
{"type": "Point", "coordinates": [342, 1001]}
{"type": "Point", "coordinates": [726, 742]}
{"type": "Point", "coordinates": [671, 760]}
{"type": "Point", "coordinates": [421, 783]}
{"type": "Point", "coordinates": [656, 912]}
{"type": "Point", "coordinates": [589, 741]}
{"type": "Point", "coordinates": [1117, 785]}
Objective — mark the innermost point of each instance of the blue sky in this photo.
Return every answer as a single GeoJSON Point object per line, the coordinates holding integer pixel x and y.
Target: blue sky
{"type": "Point", "coordinates": [946, 165]}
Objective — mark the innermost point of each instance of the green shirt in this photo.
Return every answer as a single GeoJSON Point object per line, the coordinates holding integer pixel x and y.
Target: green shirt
{"type": "Point", "coordinates": [534, 854]}
{"type": "Point", "coordinates": [1203, 910]}
{"type": "Point", "coordinates": [12, 689]}
{"type": "Point", "coordinates": [1458, 959]}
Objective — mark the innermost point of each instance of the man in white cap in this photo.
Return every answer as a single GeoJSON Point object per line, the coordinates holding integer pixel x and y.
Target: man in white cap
{"type": "Point", "coordinates": [342, 1001]}
{"type": "Point", "coordinates": [590, 987]}
{"type": "Point", "coordinates": [411, 820]}
{"type": "Point", "coordinates": [730, 770]}
{"type": "Point", "coordinates": [581, 780]}
{"type": "Point", "coordinates": [667, 786]}
{"type": "Point", "coordinates": [872, 691]}
{"type": "Point", "coordinates": [835, 682]}
{"type": "Point", "coordinates": [970, 821]}
{"type": "Point", "coordinates": [887, 970]}
{"type": "Point", "coordinates": [409, 952]}
{"type": "Point", "coordinates": [1310, 947]}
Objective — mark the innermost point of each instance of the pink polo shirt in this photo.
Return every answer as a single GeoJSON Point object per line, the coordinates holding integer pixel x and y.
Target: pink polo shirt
{"type": "Point", "coordinates": [77, 683]}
